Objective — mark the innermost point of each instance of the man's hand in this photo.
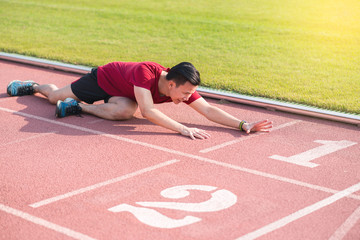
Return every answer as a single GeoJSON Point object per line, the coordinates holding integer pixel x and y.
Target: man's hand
{"type": "Point", "coordinates": [194, 133]}
{"type": "Point", "coordinates": [261, 126]}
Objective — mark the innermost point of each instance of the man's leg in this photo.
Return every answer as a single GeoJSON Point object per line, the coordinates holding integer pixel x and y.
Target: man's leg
{"type": "Point", "coordinates": [53, 93]}
{"type": "Point", "coordinates": [117, 108]}
{"type": "Point", "coordinates": [29, 87]}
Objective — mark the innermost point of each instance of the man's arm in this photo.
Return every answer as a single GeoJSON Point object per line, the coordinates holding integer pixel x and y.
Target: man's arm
{"type": "Point", "coordinates": [217, 115]}
{"type": "Point", "coordinates": [146, 105]}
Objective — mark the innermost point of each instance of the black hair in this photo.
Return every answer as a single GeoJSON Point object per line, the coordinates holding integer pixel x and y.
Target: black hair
{"type": "Point", "coordinates": [184, 72]}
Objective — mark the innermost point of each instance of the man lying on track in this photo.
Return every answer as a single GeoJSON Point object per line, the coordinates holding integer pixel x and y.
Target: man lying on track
{"type": "Point", "coordinates": [125, 86]}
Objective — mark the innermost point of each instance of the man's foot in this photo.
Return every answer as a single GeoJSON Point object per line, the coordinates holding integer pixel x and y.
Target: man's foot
{"type": "Point", "coordinates": [20, 88]}
{"type": "Point", "coordinates": [66, 108]}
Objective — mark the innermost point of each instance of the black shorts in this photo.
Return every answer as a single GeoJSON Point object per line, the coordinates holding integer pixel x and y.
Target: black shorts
{"type": "Point", "coordinates": [87, 89]}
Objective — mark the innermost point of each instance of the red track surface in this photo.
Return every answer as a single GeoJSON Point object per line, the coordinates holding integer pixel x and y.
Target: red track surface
{"type": "Point", "coordinates": [88, 178]}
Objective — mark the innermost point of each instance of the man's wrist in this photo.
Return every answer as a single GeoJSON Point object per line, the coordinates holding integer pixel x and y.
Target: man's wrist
{"type": "Point", "coordinates": [241, 125]}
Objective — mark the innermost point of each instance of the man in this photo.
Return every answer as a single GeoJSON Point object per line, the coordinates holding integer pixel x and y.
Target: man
{"type": "Point", "coordinates": [125, 86]}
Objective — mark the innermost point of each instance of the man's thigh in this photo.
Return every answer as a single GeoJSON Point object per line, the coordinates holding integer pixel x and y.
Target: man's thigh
{"type": "Point", "coordinates": [63, 93]}
{"type": "Point", "coordinates": [126, 107]}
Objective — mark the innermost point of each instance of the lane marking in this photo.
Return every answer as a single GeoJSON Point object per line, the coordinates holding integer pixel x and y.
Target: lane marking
{"type": "Point", "coordinates": [299, 214]}
{"type": "Point", "coordinates": [96, 121]}
{"type": "Point", "coordinates": [44, 223]}
{"type": "Point", "coordinates": [304, 159]}
{"type": "Point", "coordinates": [188, 155]}
{"type": "Point", "coordinates": [225, 144]}
{"type": "Point", "coordinates": [28, 138]}
{"type": "Point", "coordinates": [341, 232]}
{"type": "Point", "coordinates": [4, 99]}
{"type": "Point", "coordinates": [102, 184]}
{"type": "Point", "coordinates": [220, 200]}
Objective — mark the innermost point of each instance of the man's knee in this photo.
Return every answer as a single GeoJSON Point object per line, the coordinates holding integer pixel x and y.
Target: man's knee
{"type": "Point", "coordinates": [123, 114]}
{"type": "Point", "coordinates": [125, 108]}
{"type": "Point", "coordinates": [54, 96]}
{"type": "Point", "coordinates": [61, 94]}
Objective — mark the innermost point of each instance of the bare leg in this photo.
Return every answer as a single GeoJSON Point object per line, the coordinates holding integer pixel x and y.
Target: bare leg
{"type": "Point", "coordinates": [53, 93]}
{"type": "Point", "coordinates": [118, 108]}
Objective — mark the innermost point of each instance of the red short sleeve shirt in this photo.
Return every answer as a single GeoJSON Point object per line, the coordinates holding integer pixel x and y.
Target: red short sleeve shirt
{"type": "Point", "coordinates": [119, 79]}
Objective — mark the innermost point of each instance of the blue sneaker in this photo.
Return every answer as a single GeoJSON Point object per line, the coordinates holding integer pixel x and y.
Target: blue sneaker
{"type": "Point", "coordinates": [20, 88]}
{"type": "Point", "coordinates": [66, 108]}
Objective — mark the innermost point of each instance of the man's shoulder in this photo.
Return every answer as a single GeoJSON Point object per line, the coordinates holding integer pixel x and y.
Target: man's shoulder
{"type": "Point", "coordinates": [150, 65]}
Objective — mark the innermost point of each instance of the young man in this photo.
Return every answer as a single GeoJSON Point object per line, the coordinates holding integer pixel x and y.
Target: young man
{"type": "Point", "coordinates": [125, 86]}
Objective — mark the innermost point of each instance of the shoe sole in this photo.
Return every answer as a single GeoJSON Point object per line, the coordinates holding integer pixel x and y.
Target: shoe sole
{"type": "Point", "coordinates": [8, 87]}
{"type": "Point", "coordinates": [9, 90]}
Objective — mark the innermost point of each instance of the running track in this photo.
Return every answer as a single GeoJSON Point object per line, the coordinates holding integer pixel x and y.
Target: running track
{"type": "Point", "coordinates": [88, 178]}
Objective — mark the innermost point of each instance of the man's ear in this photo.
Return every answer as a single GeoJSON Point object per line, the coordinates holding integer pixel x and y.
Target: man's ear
{"type": "Point", "coordinates": [171, 84]}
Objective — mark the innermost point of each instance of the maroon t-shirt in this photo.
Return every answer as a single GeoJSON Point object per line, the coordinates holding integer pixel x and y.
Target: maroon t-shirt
{"type": "Point", "coordinates": [119, 79]}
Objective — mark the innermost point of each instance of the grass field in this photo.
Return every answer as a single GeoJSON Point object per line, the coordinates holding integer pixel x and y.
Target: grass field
{"type": "Point", "coordinates": [300, 51]}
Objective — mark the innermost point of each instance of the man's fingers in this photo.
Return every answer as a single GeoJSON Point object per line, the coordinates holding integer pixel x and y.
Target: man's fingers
{"type": "Point", "coordinates": [261, 126]}
{"type": "Point", "coordinates": [205, 134]}
{"type": "Point", "coordinates": [192, 136]}
{"type": "Point", "coordinates": [264, 123]}
{"type": "Point", "coordinates": [266, 126]}
{"type": "Point", "coordinates": [201, 134]}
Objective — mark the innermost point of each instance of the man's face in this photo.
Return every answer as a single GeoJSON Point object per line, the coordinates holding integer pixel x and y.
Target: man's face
{"type": "Point", "coordinates": [182, 92]}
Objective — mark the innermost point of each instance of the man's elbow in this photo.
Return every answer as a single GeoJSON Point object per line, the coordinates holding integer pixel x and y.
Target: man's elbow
{"type": "Point", "coordinates": [207, 112]}
{"type": "Point", "coordinates": [147, 113]}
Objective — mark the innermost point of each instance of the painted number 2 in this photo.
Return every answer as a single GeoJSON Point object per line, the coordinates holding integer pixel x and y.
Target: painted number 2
{"type": "Point", "coordinates": [220, 200]}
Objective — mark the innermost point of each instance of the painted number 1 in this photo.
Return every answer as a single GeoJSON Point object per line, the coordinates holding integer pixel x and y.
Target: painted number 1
{"type": "Point", "coordinates": [220, 200]}
{"type": "Point", "coordinates": [305, 158]}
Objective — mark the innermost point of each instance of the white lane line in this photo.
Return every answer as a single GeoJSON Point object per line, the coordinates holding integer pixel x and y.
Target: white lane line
{"type": "Point", "coordinates": [102, 184]}
{"type": "Point", "coordinates": [96, 121]}
{"type": "Point", "coordinates": [44, 223]}
{"type": "Point", "coordinates": [341, 232]}
{"type": "Point", "coordinates": [188, 155]}
{"type": "Point", "coordinates": [4, 99]}
{"type": "Point", "coordinates": [299, 214]}
{"type": "Point", "coordinates": [28, 138]}
{"type": "Point", "coordinates": [225, 144]}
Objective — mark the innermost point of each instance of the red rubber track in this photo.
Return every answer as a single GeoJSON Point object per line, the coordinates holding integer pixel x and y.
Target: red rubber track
{"type": "Point", "coordinates": [88, 178]}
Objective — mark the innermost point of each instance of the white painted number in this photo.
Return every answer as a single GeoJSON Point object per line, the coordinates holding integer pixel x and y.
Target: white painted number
{"type": "Point", "coordinates": [305, 158]}
{"type": "Point", "coordinates": [220, 200]}
{"type": "Point", "coordinates": [153, 218]}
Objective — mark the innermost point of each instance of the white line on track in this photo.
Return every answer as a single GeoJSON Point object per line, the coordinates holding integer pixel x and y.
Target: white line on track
{"type": "Point", "coordinates": [102, 184]}
{"type": "Point", "coordinates": [341, 232]}
{"type": "Point", "coordinates": [28, 138]}
{"type": "Point", "coordinates": [4, 99]}
{"type": "Point", "coordinates": [96, 121]}
{"type": "Point", "coordinates": [188, 155]}
{"type": "Point", "coordinates": [225, 144]}
{"type": "Point", "coordinates": [44, 223]}
{"type": "Point", "coordinates": [299, 214]}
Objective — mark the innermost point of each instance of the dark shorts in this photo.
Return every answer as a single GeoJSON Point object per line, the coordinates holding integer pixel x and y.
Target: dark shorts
{"type": "Point", "coordinates": [87, 89]}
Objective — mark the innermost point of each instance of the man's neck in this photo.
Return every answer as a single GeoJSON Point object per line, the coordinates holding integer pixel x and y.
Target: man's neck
{"type": "Point", "coordinates": [162, 85]}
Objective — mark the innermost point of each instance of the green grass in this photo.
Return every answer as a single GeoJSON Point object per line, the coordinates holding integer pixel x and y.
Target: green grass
{"type": "Point", "coordinates": [300, 51]}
